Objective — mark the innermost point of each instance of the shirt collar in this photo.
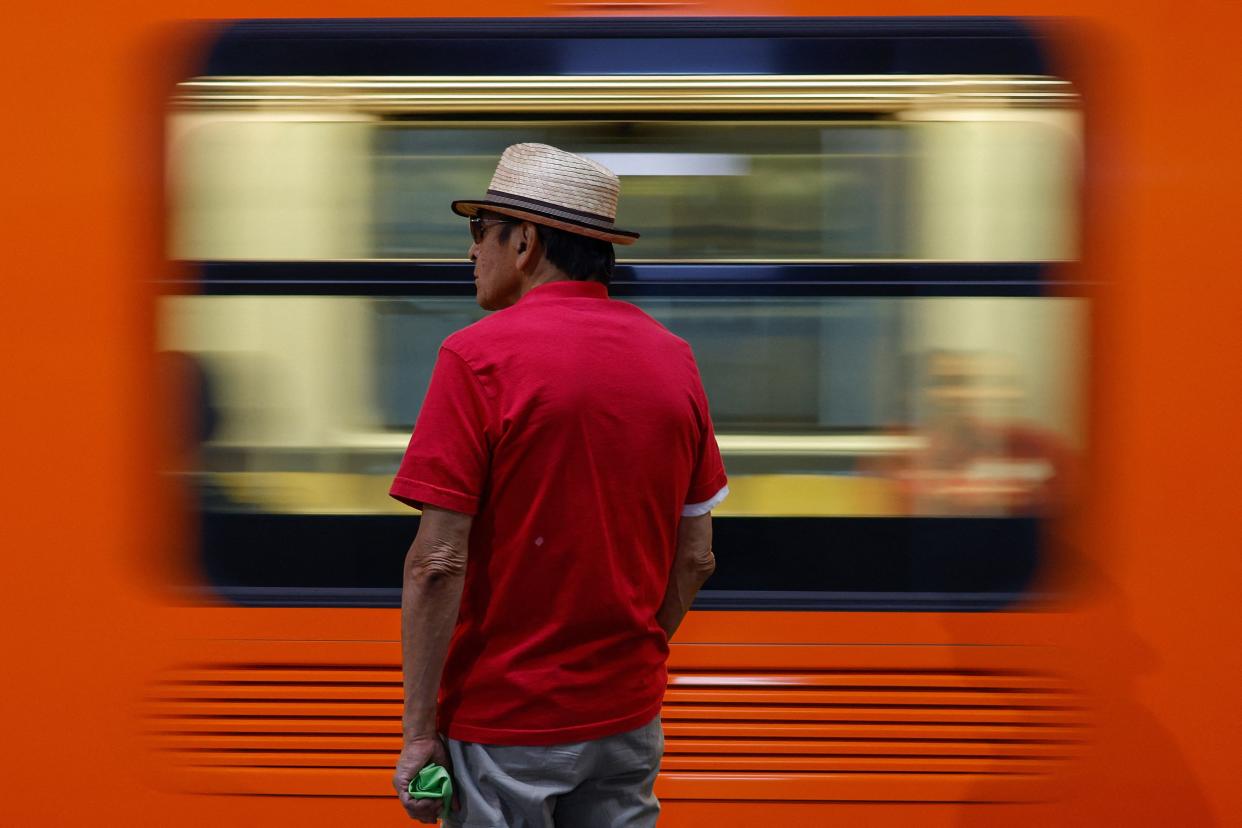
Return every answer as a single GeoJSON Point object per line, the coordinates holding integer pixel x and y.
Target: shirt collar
{"type": "Point", "coordinates": [566, 289]}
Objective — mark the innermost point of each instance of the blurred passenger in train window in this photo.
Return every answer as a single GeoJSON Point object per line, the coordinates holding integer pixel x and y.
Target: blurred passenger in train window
{"type": "Point", "coordinates": [191, 385]}
{"type": "Point", "coordinates": [980, 457]}
{"type": "Point", "coordinates": [189, 381]}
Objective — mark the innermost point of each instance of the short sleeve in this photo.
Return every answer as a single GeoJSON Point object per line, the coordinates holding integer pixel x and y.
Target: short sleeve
{"type": "Point", "coordinates": [708, 479]}
{"type": "Point", "coordinates": [448, 457]}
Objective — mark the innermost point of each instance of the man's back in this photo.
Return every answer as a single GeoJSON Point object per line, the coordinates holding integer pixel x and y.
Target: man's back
{"type": "Point", "coordinates": [575, 429]}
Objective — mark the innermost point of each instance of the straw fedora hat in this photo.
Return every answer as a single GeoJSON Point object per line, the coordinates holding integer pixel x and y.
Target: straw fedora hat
{"type": "Point", "coordinates": [549, 186]}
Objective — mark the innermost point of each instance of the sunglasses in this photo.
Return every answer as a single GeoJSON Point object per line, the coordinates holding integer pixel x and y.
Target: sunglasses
{"type": "Point", "coordinates": [479, 225]}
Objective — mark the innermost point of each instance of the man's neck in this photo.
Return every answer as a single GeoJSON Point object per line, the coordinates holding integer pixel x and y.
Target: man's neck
{"type": "Point", "coordinates": [545, 274]}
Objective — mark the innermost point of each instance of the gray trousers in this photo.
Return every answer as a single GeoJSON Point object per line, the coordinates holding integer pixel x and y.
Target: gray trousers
{"type": "Point", "coordinates": [603, 783]}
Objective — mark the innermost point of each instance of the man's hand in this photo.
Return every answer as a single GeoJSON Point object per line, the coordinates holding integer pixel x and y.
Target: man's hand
{"type": "Point", "coordinates": [414, 757]}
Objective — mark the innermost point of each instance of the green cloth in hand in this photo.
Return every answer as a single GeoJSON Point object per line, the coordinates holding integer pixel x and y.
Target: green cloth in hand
{"type": "Point", "coordinates": [433, 782]}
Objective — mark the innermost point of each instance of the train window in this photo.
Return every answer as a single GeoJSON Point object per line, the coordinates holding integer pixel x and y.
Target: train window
{"type": "Point", "coordinates": [992, 183]}
{"type": "Point", "coordinates": [863, 230]}
{"type": "Point", "coordinates": [716, 190]}
{"type": "Point", "coordinates": [860, 419]}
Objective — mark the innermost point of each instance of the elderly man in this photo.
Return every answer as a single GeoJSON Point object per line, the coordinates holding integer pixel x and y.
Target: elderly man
{"type": "Point", "coordinates": [566, 466]}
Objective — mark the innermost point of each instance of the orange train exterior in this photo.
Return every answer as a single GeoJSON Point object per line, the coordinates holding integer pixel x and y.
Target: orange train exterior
{"type": "Point", "coordinates": [1115, 705]}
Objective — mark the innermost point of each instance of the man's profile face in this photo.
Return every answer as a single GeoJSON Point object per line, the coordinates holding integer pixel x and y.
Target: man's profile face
{"type": "Point", "coordinates": [497, 282]}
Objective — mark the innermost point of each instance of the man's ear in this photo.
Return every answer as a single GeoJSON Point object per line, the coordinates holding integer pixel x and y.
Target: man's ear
{"type": "Point", "coordinates": [527, 242]}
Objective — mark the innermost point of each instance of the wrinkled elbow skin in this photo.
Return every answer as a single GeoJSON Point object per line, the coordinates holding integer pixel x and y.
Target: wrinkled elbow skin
{"type": "Point", "coordinates": [703, 564]}
{"type": "Point", "coordinates": [436, 561]}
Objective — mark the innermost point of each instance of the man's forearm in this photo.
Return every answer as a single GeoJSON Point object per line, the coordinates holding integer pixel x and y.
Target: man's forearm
{"type": "Point", "coordinates": [435, 571]}
{"type": "Point", "coordinates": [693, 564]}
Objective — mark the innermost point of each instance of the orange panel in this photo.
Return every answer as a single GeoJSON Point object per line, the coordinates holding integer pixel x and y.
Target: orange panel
{"type": "Point", "coordinates": [815, 722]}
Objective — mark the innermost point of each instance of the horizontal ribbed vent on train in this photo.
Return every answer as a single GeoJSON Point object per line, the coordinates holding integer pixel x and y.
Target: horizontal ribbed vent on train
{"type": "Point", "coordinates": [335, 730]}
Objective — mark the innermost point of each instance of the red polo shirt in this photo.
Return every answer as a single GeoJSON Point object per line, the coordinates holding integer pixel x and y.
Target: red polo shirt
{"type": "Point", "coordinates": [574, 428]}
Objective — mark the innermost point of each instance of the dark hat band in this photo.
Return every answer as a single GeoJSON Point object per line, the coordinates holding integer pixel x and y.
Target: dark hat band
{"type": "Point", "coordinates": [558, 210]}
{"type": "Point", "coordinates": [555, 215]}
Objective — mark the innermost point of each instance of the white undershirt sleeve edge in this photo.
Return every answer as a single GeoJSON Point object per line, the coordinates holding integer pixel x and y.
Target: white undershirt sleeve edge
{"type": "Point", "coordinates": [697, 509]}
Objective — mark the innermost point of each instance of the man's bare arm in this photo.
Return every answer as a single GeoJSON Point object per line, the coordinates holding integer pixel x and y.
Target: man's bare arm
{"type": "Point", "coordinates": [435, 569]}
{"type": "Point", "coordinates": [693, 564]}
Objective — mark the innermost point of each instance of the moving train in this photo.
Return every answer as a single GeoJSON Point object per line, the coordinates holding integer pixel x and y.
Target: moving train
{"type": "Point", "coordinates": [918, 259]}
